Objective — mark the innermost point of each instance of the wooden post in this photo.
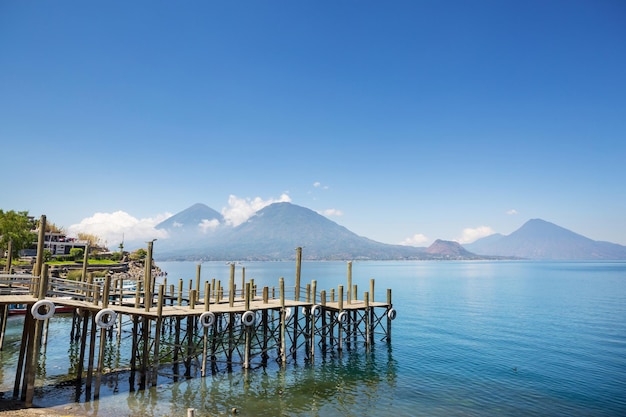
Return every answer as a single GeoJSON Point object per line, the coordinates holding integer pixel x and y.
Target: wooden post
{"type": "Point", "coordinates": [190, 342]}
{"type": "Point", "coordinates": [207, 295]}
{"type": "Point", "coordinates": [83, 344]}
{"type": "Point", "coordinates": [100, 366]}
{"type": "Point", "coordinates": [353, 327]}
{"type": "Point", "coordinates": [148, 284]}
{"type": "Point", "coordinates": [324, 328]}
{"type": "Point", "coordinates": [349, 295]}
{"type": "Point", "coordinates": [5, 308]}
{"type": "Point", "coordinates": [298, 270]}
{"type": "Point", "coordinates": [135, 343]}
{"type": "Point", "coordinates": [90, 359]}
{"type": "Point", "coordinates": [231, 340]}
{"type": "Point", "coordinates": [27, 335]}
{"type": "Point", "coordinates": [340, 329]}
{"type": "Point", "coordinates": [248, 329]}
{"type": "Point", "coordinates": [389, 319]}
{"type": "Point", "coordinates": [366, 300]}
{"type": "Point", "coordinates": [40, 246]}
{"type": "Point", "coordinates": [231, 286]}
{"type": "Point", "coordinates": [283, 343]}
{"type": "Point", "coordinates": [177, 346]}
{"type": "Point", "coordinates": [137, 292]}
{"type": "Point", "coordinates": [205, 339]}
{"type": "Point", "coordinates": [83, 276]}
{"type": "Point", "coordinates": [313, 318]}
{"type": "Point", "coordinates": [371, 311]}
{"type": "Point", "coordinates": [198, 268]}
{"type": "Point", "coordinates": [32, 358]}
{"type": "Point", "coordinates": [145, 334]}
{"type": "Point", "coordinates": [157, 334]}
{"type": "Point", "coordinates": [7, 267]}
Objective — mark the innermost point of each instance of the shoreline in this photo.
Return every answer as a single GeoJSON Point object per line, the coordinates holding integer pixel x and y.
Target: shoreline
{"type": "Point", "coordinates": [16, 408]}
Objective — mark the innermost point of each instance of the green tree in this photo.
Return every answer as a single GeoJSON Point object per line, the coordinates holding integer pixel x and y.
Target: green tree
{"type": "Point", "coordinates": [16, 226]}
{"type": "Point", "coordinates": [77, 253]}
{"type": "Point", "coordinates": [139, 254]}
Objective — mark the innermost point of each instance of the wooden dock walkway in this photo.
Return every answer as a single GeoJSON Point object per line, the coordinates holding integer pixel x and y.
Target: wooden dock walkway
{"type": "Point", "coordinates": [178, 333]}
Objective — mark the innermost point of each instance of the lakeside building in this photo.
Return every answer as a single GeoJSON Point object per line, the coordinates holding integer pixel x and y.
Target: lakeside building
{"type": "Point", "coordinates": [57, 243]}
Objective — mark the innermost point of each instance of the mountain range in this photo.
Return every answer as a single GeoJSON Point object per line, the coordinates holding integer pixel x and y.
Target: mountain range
{"type": "Point", "coordinates": [274, 232]}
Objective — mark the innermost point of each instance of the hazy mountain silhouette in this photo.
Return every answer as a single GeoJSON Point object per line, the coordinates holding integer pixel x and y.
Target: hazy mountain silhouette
{"type": "Point", "coordinates": [539, 239]}
{"type": "Point", "coordinates": [274, 232]}
{"type": "Point", "coordinates": [446, 249]}
{"type": "Point", "coordinates": [190, 219]}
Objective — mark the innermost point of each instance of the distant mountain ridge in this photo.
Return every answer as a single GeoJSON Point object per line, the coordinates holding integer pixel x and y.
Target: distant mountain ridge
{"type": "Point", "coordinates": [189, 219]}
{"type": "Point", "coordinates": [539, 239]}
{"type": "Point", "coordinates": [451, 250]}
{"type": "Point", "coordinates": [273, 233]}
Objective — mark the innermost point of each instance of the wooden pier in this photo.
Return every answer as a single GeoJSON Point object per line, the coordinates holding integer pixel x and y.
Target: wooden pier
{"type": "Point", "coordinates": [178, 332]}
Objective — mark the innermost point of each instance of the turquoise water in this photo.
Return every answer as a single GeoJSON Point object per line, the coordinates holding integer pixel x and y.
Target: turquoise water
{"type": "Point", "coordinates": [471, 339]}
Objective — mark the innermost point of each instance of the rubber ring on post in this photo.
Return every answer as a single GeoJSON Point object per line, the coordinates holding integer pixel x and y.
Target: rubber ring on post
{"type": "Point", "coordinates": [248, 318]}
{"type": "Point", "coordinates": [207, 319]}
{"type": "Point", "coordinates": [316, 310]}
{"type": "Point", "coordinates": [343, 317]}
{"type": "Point", "coordinates": [106, 318]}
{"type": "Point", "coordinates": [392, 314]}
{"type": "Point", "coordinates": [287, 313]}
{"type": "Point", "coordinates": [47, 304]}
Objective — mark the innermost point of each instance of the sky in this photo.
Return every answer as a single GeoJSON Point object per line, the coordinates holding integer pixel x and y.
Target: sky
{"type": "Point", "coordinates": [404, 121]}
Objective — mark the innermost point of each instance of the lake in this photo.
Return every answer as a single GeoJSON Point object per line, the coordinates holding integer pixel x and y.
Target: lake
{"type": "Point", "coordinates": [471, 338]}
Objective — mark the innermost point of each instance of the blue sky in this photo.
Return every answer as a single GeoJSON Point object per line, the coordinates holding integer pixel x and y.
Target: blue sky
{"type": "Point", "coordinates": [404, 121]}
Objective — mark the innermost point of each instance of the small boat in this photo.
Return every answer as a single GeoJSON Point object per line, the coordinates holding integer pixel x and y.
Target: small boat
{"type": "Point", "coordinates": [20, 309]}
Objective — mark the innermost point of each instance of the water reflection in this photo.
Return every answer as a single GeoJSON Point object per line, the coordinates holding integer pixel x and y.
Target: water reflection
{"type": "Point", "coordinates": [334, 384]}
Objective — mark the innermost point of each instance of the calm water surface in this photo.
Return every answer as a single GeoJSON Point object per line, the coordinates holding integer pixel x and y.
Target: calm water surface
{"type": "Point", "coordinates": [471, 339]}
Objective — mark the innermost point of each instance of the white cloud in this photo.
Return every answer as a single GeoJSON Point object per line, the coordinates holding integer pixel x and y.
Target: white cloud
{"type": "Point", "coordinates": [331, 212]}
{"type": "Point", "coordinates": [472, 234]}
{"type": "Point", "coordinates": [511, 212]}
{"type": "Point", "coordinates": [241, 209]}
{"type": "Point", "coordinates": [205, 225]}
{"type": "Point", "coordinates": [415, 240]}
{"type": "Point", "coordinates": [112, 228]}
{"type": "Point", "coordinates": [318, 184]}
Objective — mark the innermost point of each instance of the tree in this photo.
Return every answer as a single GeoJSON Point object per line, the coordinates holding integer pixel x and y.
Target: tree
{"type": "Point", "coordinates": [16, 226]}
{"type": "Point", "coordinates": [139, 254]}
{"type": "Point", "coordinates": [93, 240]}
{"type": "Point", "coordinates": [77, 253]}
{"type": "Point", "coordinates": [52, 228]}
